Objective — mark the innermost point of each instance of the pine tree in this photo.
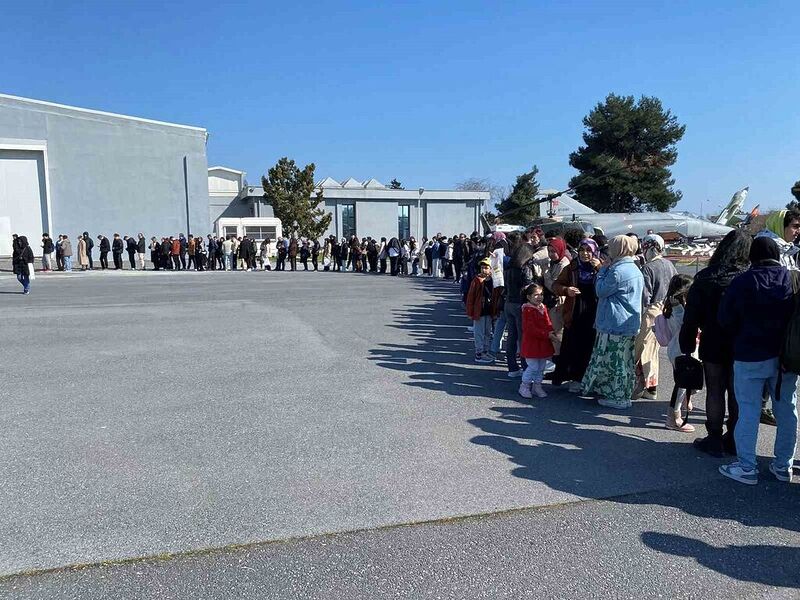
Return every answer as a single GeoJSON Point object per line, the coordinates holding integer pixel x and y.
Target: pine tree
{"type": "Point", "coordinates": [623, 164]}
{"type": "Point", "coordinates": [518, 208]}
{"type": "Point", "coordinates": [294, 199]}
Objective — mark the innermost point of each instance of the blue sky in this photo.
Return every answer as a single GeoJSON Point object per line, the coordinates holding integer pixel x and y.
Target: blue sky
{"type": "Point", "coordinates": [431, 93]}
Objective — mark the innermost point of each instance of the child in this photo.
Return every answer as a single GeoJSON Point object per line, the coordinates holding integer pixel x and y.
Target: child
{"type": "Point", "coordinates": [673, 314]}
{"type": "Point", "coordinates": [537, 341]}
{"type": "Point", "coordinates": [479, 309]}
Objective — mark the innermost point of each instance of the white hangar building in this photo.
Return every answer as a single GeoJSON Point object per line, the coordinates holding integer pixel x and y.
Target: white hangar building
{"type": "Point", "coordinates": [67, 170]}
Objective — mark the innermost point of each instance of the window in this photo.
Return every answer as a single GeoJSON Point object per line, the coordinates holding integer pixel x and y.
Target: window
{"type": "Point", "coordinates": [261, 232]}
{"type": "Point", "coordinates": [230, 231]}
{"type": "Point", "coordinates": [348, 220]}
{"type": "Point", "coordinates": [403, 222]}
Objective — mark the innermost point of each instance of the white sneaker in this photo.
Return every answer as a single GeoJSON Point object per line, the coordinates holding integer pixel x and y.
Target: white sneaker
{"type": "Point", "coordinates": [575, 387]}
{"type": "Point", "coordinates": [470, 328]}
{"type": "Point", "coordinates": [549, 367]}
{"type": "Point", "coordinates": [514, 374]}
{"type": "Point", "coordinates": [525, 390]}
{"type": "Point", "coordinates": [539, 390]}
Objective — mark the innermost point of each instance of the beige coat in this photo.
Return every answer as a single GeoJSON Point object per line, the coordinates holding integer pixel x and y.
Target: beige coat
{"type": "Point", "coordinates": [83, 256]}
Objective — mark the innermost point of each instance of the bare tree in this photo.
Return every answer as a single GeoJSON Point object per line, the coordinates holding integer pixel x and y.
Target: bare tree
{"type": "Point", "coordinates": [497, 193]}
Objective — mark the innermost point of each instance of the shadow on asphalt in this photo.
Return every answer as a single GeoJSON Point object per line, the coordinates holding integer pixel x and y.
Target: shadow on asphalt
{"type": "Point", "coordinates": [573, 445]}
{"type": "Point", "coordinates": [759, 563]}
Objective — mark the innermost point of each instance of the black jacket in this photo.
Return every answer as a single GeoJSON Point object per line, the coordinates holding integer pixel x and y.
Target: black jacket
{"type": "Point", "coordinates": [702, 306]}
{"type": "Point", "coordinates": [105, 245]}
{"type": "Point", "coordinates": [117, 246]}
{"type": "Point", "coordinates": [131, 245]}
{"type": "Point", "coordinates": [22, 256]}
{"type": "Point", "coordinates": [141, 245]}
{"type": "Point", "coordinates": [519, 274]}
{"type": "Point", "coordinates": [756, 308]}
{"type": "Point", "coordinates": [47, 246]}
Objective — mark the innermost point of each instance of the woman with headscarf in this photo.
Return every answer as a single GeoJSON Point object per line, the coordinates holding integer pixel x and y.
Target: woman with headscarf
{"type": "Point", "coordinates": [559, 258]}
{"type": "Point", "coordinates": [576, 286]}
{"type": "Point", "coordinates": [22, 262]}
{"type": "Point", "coordinates": [619, 286]}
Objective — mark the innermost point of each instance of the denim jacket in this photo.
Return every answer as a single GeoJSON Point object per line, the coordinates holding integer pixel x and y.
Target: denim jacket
{"type": "Point", "coordinates": [619, 293]}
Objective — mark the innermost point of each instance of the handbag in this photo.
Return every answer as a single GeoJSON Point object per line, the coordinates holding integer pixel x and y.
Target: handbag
{"type": "Point", "coordinates": [662, 331]}
{"type": "Point", "coordinates": [31, 272]}
{"type": "Point", "coordinates": [688, 373]}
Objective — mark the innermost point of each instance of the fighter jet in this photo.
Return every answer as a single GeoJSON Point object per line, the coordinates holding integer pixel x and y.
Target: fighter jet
{"type": "Point", "coordinates": [730, 213]}
{"type": "Point", "coordinates": [671, 226]}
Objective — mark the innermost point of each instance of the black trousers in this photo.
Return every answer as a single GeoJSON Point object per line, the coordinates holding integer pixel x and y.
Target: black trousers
{"type": "Point", "coordinates": [104, 260]}
{"type": "Point", "coordinates": [459, 266]}
{"type": "Point", "coordinates": [305, 263]}
{"type": "Point", "coordinates": [183, 260]}
{"type": "Point", "coordinates": [719, 384]}
{"type": "Point", "coordinates": [91, 261]}
{"type": "Point", "coordinates": [393, 264]}
{"type": "Point", "coordinates": [132, 258]}
{"type": "Point", "coordinates": [280, 265]}
{"type": "Point", "coordinates": [314, 262]}
{"type": "Point", "coordinates": [383, 265]}
{"type": "Point", "coordinates": [176, 262]}
{"type": "Point", "coordinates": [293, 262]}
{"type": "Point", "coordinates": [191, 261]}
{"type": "Point", "coordinates": [117, 260]}
{"type": "Point", "coordinates": [199, 262]}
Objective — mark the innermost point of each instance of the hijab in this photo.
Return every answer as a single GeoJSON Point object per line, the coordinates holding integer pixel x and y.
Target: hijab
{"type": "Point", "coordinates": [775, 223]}
{"type": "Point", "coordinates": [765, 252]}
{"type": "Point", "coordinates": [560, 246]}
{"type": "Point", "coordinates": [622, 246]}
{"type": "Point", "coordinates": [587, 270]}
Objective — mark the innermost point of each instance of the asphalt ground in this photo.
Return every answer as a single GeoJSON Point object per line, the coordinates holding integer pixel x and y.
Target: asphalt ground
{"type": "Point", "coordinates": [265, 433]}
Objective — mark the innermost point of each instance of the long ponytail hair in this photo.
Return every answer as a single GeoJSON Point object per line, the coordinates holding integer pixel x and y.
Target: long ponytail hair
{"type": "Point", "coordinates": [676, 293]}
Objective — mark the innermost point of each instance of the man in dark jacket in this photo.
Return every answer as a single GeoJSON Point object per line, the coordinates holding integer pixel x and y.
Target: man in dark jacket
{"type": "Point", "coordinates": [130, 246]}
{"type": "Point", "coordinates": [517, 276]}
{"type": "Point", "coordinates": [756, 309]}
{"type": "Point", "coordinates": [117, 248]}
{"type": "Point", "coordinates": [105, 248]}
{"type": "Point", "coordinates": [89, 248]}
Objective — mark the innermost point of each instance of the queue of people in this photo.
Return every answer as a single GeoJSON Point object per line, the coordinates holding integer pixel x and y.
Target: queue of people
{"type": "Point", "coordinates": [595, 312]}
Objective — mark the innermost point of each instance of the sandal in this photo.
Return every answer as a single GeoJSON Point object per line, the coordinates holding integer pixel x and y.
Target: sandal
{"type": "Point", "coordinates": [683, 426]}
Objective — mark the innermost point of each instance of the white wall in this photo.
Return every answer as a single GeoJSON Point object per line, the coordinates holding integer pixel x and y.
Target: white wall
{"type": "Point", "coordinates": [23, 205]}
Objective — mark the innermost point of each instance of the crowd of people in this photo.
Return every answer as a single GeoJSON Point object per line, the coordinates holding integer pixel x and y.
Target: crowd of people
{"type": "Point", "coordinates": [586, 311]}
{"type": "Point", "coordinates": [594, 312]}
{"type": "Point", "coordinates": [436, 257]}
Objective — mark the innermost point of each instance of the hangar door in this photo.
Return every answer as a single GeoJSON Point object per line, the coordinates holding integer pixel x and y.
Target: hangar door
{"type": "Point", "coordinates": [23, 201]}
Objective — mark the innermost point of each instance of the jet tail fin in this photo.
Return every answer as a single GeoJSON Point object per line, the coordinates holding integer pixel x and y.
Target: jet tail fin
{"type": "Point", "coordinates": [734, 206]}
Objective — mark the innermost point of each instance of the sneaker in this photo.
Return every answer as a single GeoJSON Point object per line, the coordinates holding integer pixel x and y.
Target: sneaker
{"type": "Point", "coordinates": [514, 374]}
{"type": "Point", "coordinates": [491, 356]}
{"type": "Point", "coordinates": [648, 395]}
{"type": "Point", "coordinates": [738, 473]}
{"type": "Point", "coordinates": [576, 387]}
{"type": "Point", "coordinates": [483, 359]}
{"type": "Point", "coordinates": [617, 404]}
{"type": "Point", "coordinates": [470, 328]}
{"type": "Point", "coordinates": [525, 390]}
{"type": "Point", "coordinates": [539, 390]}
{"type": "Point", "coordinates": [26, 292]}
{"type": "Point", "coordinates": [767, 418]}
{"type": "Point", "coordinates": [549, 366]}
{"type": "Point", "coordinates": [781, 474]}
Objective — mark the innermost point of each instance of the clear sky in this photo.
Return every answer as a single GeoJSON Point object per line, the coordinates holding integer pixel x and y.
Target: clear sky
{"type": "Point", "coordinates": [430, 92]}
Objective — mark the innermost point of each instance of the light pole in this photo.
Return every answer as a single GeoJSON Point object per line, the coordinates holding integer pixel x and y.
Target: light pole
{"type": "Point", "coordinates": [419, 215]}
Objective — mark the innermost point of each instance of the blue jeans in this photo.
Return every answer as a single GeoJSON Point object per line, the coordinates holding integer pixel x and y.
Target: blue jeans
{"type": "Point", "coordinates": [513, 314]}
{"type": "Point", "coordinates": [25, 280]}
{"type": "Point", "coordinates": [534, 372]}
{"type": "Point", "coordinates": [482, 331]}
{"type": "Point", "coordinates": [499, 328]}
{"type": "Point", "coordinates": [749, 379]}
{"type": "Point", "coordinates": [68, 263]}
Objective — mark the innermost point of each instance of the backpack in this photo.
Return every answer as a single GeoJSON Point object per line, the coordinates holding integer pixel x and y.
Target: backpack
{"type": "Point", "coordinates": [662, 331]}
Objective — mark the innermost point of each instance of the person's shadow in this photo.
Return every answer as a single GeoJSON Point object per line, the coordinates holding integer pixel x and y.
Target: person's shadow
{"type": "Point", "coordinates": [766, 564]}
